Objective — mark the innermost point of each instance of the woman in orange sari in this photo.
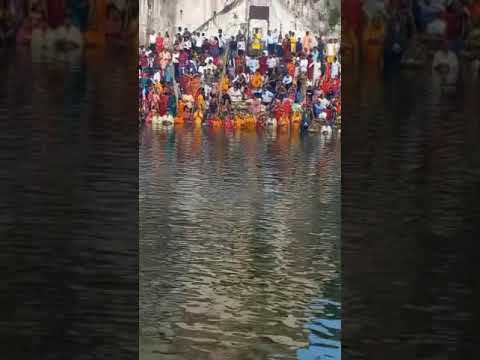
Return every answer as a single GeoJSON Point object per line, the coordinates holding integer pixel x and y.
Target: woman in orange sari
{"type": "Point", "coordinates": [181, 109]}
{"type": "Point", "coordinates": [256, 81]}
{"type": "Point", "coordinates": [291, 68]}
{"type": "Point", "coordinates": [200, 102]}
{"type": "Point", "coordinates": [224, 84]}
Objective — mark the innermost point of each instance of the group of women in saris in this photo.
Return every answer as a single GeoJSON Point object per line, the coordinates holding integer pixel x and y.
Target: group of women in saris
{"type": "Point", "coordinates": [363, 36]}
{"type": "Point", "coordinates": [245, 91]}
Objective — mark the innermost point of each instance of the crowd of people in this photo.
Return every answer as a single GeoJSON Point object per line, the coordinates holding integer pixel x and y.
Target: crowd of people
{"type": "Point", "coordinates": [64, 24]}
{"type": "Point", "coordinates": [412, 32]}
{"type": "Point", "coordinates": [275, 80]}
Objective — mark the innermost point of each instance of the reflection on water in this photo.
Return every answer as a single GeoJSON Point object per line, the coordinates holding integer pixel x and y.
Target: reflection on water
{"type": "Point", "coordinates": [69, 190]}
{"type": "Point", "coordinates": [409, 160]}
{"type": "Point", "coordinates": [239, 245]}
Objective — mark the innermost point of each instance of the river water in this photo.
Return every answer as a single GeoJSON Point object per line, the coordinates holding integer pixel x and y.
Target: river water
{"type": "Point", "coordinates": [239, 245]}
{"type": "Point", "coordinates": [410, 160]}
{"type": "Point", "coordinates": [69, 219]}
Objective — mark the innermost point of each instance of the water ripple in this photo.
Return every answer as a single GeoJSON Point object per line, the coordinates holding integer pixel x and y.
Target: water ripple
{"type": "Point", "coordinates": [239, 239]}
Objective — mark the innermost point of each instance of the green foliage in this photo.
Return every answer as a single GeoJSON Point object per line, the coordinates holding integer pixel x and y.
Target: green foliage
{"type": "Point", "coordinates": [333, 17]}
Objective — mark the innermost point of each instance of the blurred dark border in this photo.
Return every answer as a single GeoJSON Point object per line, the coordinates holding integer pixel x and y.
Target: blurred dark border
{"type": "Point", "coordinates": [410, 211]}
{"type": "Point", "coordinates": [69, 187]}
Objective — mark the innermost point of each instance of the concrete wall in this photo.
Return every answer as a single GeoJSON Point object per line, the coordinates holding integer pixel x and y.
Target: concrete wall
{"type": "Point", "coordinates": [167, 15]}
{"type": "Point", "coordinates": [162, 16]}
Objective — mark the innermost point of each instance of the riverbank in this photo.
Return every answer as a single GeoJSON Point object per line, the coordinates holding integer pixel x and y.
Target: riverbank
{"type": "Point", "coordinates": [277, 82]}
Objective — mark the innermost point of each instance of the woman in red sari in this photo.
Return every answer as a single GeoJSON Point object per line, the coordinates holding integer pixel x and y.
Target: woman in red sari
{"type": "Point", "coordinates": [239, 65]}
{"type": "Point", "coordinates": [287, 107]}
{"type": "Point", "coordinates": [163, 105]}
{"type": "Point", "coordinates": [263, 64]}
{"type": "Point", "coordinates": [328, 71]}
{"type": "Point", "coordinates": [278, 110]}
{"type": "Point", "coordinates": [159, 45]}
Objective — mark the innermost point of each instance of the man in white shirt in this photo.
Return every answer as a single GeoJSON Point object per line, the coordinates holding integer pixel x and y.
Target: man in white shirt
{"type": "Point", "coordinates": [275, 36]}
{"type": "Point", "coordinates": [335, 71]}
{"type": "Point", "coordinates": [330, 51]}
{"type": "Point", "coordinates": [303, 65]}
{"type": "Point", "coordinates": [235, 94]}
{"type": "Point", "coordinates": [287, 80]}
{"type": "Point", "coordinates": [270, 43]}
{"type": "Point", "coordinates": [187, 44]}
{"type": "Point", "coordinates": [221, 43]}
{"type": "Point", "coordinates": [193, 40]}
{"type": "Point", "coordinates": [197, 42]}
{"type": "Point", "coordinates": [157, 77]}
{"type": "Point", "coordinates": [152, 39]}
{"type": "Point", "coordinates": [176, 61]}
{"type": "Point", "coordinates": [241, 45]}
{"type": "Point", "coordinates": [279, 41]}
{"type": "Point", "coordinates": [201, 69]}
{"type": "Point", "coordinates": [175, 57]}
{"type": "Point", "coordinates": [323, 102]}
{"type": "Point", "coordinates": [320, 106]}
{"type": "Point", "coordinates": [317, 71]}
{"type": "Point", "coordinates": [252, 64]}
{"type": "Point", "coordinates": [211, 66]}
{"type": "Point", "coordinates": [336, 47]}
{"type": "Point", "coordinates": [272, 64]}
{"type": "Point", "coordinates": [267, 97]}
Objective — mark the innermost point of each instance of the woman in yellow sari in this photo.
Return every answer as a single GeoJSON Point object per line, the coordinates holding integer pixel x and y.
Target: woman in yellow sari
{"type": "Point", "coordinates": [256, 80]}
{"type": "Point", "coordinates": [200, 103]}
{"type": "Point", "coordinates": [224, 84]}
{"type": "Point", "coordinates": [257, 41]}
{"type": "Point", "coordinates": [293, 43]}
